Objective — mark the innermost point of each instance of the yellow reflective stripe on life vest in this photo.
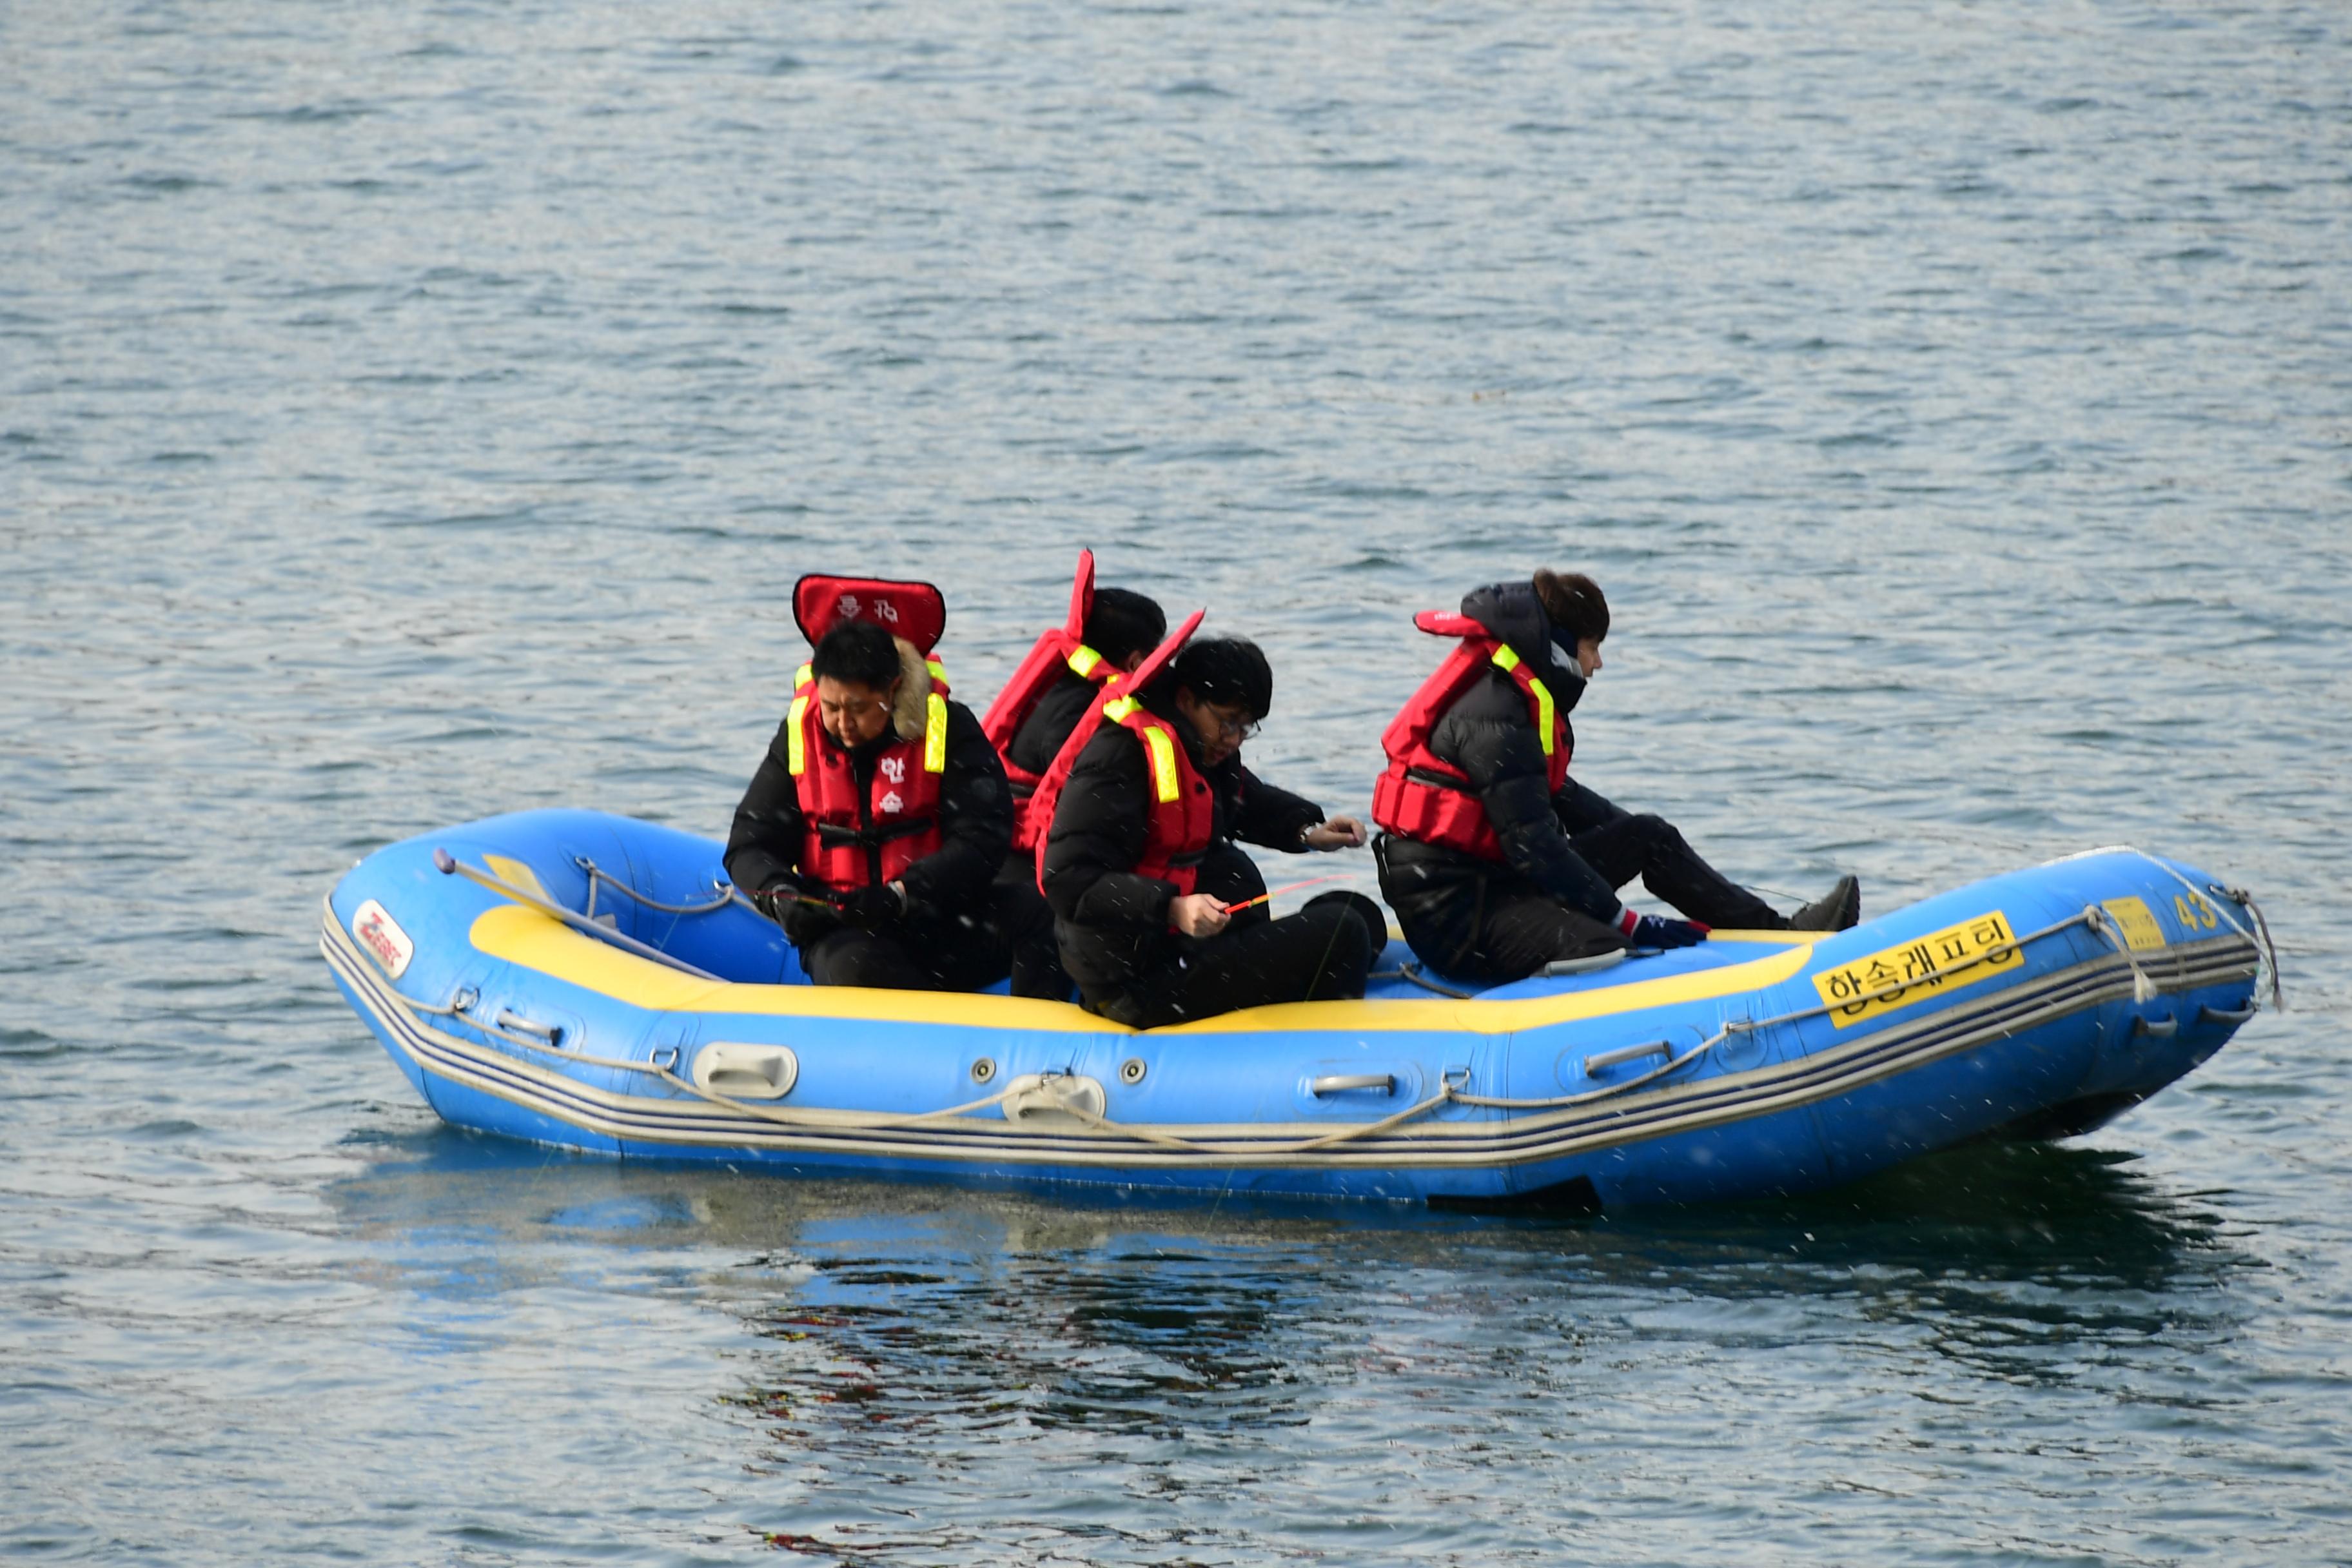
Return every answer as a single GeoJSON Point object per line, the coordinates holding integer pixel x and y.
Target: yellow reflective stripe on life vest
{"type": "Point", "coordinates": [1506, 659]}
{"type": "Point", "coordinates": [796, 758]}
{"type": "Point", "coordinates": [938, 671]}
{"type": "Point", "coordinates": [1082, 660]}
{"type": "Point", "coordinates": [935, 735]}
{"type": "Point", "coordinates": [1117, 709]}
{"type": "Point", "coordinates": [803, 675]}
{"type": "Point", "coordinates": [1162, 747]}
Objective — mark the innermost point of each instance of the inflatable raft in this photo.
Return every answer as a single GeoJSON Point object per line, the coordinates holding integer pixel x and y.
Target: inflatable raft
{"type": "Point", "coordinates": [591, 982]}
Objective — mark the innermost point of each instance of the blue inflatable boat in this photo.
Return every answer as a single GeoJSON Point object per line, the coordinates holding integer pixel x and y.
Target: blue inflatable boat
{"type": "Point", "coordinates": [591, 982]}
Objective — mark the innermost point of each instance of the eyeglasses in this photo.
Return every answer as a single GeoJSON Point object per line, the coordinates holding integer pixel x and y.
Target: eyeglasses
{"type": "Point", "coordinates": [1239, 729]}
{"type": "Point", "coordinates": [851, 709]}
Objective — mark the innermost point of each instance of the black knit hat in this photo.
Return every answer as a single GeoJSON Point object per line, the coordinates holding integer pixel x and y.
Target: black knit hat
{"type": "Point", "coordinates": [1573, 603]}
{"type": "Point", "coordinates": [1231, 672]}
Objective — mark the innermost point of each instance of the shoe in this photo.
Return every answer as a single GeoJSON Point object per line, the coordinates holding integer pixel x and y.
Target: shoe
{"type": "Point", "coordinates": [1836, 910]}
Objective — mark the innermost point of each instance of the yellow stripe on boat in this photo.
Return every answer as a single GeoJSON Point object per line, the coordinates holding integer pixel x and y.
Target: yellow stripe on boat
{"type": "Point", "coordinates": [533, 940]}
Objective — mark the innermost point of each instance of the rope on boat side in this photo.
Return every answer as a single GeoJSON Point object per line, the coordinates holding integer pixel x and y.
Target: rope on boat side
{"type": "Point", "coordinates": [1448, 1092]}
{"type": "Point", "coordinates": [449, 865]}
{"type": "Point", "coordinates": [1413, 973]}
{"type": "Point", "coordinates": [2244, 901]}
{"type": "Point", "coordinates": [2104, 923]}
{"type": "Point", "coordinates": [726, 891]}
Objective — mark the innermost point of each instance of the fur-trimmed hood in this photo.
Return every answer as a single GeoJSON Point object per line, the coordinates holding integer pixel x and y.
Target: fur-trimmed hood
{"type": "Point", "coordinates": [911, 708]}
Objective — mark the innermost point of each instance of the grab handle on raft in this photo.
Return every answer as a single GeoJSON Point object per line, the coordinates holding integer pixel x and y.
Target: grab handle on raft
{"type": "Point", "coordinates": [2224, 1015]}
{"type": "Point", "coordinates": [552, 1033]}
{"type": "Point", "coordinates": [2163, 1029]}
{"type": "Point", "coordinates": [449, 865]}
{"type": "Point", "coordinates": [1559, 966]}
{"type": "Point", "coordinates": [1339, 1083]}
{"type": "Point", "coordinates": [1622, 1054]}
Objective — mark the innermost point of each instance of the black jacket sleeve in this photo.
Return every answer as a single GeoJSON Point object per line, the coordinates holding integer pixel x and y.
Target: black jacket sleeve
{"type": "Point", "coordinates": [1100, 825]}
{"type": "Point", "coordinates": [1261, 813]}
{"type": "Point", "coordinates": [1039, 740]}
{"type": "Point", "coordinates": [1487, 735]}
{"type": "Point", "coordinates": [764, 847]}
{"type": "Point", "coordinates": [975, 823]}
{"type": "Point", "coordinates": [1580, 810]}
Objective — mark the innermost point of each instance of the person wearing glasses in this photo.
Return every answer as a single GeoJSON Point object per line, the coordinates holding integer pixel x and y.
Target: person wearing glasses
{"type": "Point", "coordinates": [875, 825]}
{"type": "Point", "coordinates": [1141, 867]}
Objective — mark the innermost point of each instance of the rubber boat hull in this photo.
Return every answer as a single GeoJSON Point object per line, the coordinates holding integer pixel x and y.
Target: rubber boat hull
{"type": "Point", "coordinates": [1756, 1064]}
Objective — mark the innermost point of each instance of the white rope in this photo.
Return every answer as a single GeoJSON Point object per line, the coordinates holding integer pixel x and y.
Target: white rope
{"type": "Point", "coordinates": [2106, 925]}
{"type": "Point", "coordinates": [2245, 901]}
{"type": "Point", "coordinates": [2270, 949]}
{"type": "Point", "coordinates": [726, 891]}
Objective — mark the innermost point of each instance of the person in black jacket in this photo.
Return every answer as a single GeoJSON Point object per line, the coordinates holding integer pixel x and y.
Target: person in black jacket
{"type": "Point", "coordinates": [933, 927]}
{"type": "Point", "coordinates": [1122, 625]}
{"type": "Point", "coordinates": [1553, 895]}
{"type": "Point", "coordinates": [1142, 952]}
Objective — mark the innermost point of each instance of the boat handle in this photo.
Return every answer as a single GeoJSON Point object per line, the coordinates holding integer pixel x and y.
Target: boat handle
{"type": "Point", "coordinates": [1336, 1082]}
{"type": "Point", "coordinates": [2224, 1015]}
{"type": "Point", "coordinates": [551, 1033]}
{"type": "Point", "coordinates": [1595, 1063]}
{"type": "Point", "coordinates": [2162, 1031]}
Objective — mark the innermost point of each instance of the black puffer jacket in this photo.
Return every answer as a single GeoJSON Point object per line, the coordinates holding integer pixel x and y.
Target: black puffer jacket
{"type": "Point", "coordinates": [1491, 737]}
{"type": "Point", "coordinates": [763, 848]}
{"type": "Point", "coordinates": [1039, 740]}
{"type": "Point", "coordinates": [1112, 924]}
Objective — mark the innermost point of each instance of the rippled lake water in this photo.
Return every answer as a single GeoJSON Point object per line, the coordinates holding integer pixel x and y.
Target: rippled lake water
{"type": "Point", "coordinates": [410, 413]}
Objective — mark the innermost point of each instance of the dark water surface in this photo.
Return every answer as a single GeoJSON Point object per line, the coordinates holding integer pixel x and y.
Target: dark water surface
{"type": "Point", "coordinates": [409, 413]}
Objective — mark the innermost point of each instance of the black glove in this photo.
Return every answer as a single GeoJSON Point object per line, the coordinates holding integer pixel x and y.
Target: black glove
{"type": "Point", "coordinates": [804, 920]}
{"type": "Point", "coordinates": [1658, 931]}
{"type": "Point", "coordinates": [872, 907]}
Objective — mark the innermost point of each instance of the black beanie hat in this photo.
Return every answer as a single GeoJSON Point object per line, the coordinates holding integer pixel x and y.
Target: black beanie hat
{"type": "Point", "coordinates": [1229, 671]}
{"type": "Point", "coordinates": [1572, 602]}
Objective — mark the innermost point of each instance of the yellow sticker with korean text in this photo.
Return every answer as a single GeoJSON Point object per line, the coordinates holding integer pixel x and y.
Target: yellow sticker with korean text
{"type": "Point", "coordinates": [2138, 922]}
{"type": "Point", "coordinates": [1932, 965]}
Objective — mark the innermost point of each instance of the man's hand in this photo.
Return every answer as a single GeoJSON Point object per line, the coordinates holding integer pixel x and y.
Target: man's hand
{"type": "Point", "coordinates": [1340, 833]}
{"type": "Point", "coordinates": [805, 917]}
{"type": "Point", "coordinates": [872, 907]}
{"type": "Point", "coordinates": [1197, 914]}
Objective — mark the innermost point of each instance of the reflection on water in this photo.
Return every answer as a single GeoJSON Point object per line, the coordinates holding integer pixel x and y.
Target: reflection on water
{"type": "Point", "coordinates": [921, 1340]}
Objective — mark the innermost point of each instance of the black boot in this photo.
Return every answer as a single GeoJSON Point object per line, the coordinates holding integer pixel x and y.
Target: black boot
{"type": "Point", "coordinates": [1836, 910]}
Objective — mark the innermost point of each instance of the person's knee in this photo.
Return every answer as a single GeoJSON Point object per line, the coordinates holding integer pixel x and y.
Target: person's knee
{"type": "Point", "coordinates": [854, 959]}
{"type": "Point", "coordinates": [1657, 832]}
{"type": "Point", "coordinates": [1374, 918]}
{"type": "Point", "coordinates": [1341, 949]}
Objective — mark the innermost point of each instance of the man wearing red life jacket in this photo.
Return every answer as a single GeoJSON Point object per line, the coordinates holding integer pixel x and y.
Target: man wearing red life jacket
{"type": "Point", "coordinates": [879, 815]}
{"type": "Point", "coordinates": [1106, 634]}
{"type": "Point", "coordinates": [1140, 866]}
{"type": "Point", "coordinates": [1495, 861]}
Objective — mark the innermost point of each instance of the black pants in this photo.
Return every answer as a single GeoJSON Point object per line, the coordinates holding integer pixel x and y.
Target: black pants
{"type": "Point", "coordinates": [1025, 923]}
{"type": "Point", "coordinates": [1654, 849]}
{"type": "Point", "coordinates": [1320, 954]}
{"type": "Point", "coordinates": [946, 955]}
{"type": "Point", "coordinates": [1486, 924]}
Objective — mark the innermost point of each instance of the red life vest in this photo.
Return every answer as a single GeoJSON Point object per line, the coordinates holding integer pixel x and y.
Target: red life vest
{"type": "Point", "coordinates": [1063, 648]}
{"type": "Point", "coordinates": [853, 837]}
{"type": "Point", "coordinates": [1182, 810]}
{"type": "Point", "coordinates": [1424, 797]}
